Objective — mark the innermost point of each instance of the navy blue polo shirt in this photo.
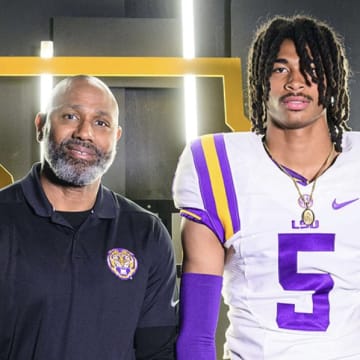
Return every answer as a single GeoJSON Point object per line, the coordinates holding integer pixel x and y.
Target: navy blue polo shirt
{"type": "Point", "coordinates": [101, 291]}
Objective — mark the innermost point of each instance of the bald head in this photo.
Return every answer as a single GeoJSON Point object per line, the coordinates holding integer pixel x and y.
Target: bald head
{"type": "Point", "coordinates": [67, 86]}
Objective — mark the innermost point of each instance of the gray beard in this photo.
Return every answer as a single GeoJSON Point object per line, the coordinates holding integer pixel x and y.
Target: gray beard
{"type": "Point", "coordinates": [76, 172]}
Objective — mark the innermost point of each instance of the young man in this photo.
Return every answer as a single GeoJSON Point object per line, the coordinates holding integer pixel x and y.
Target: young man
{"type": "Point", "coordinates": [271, 217]}
{"type": "Point", "coordinates": [84, 273]}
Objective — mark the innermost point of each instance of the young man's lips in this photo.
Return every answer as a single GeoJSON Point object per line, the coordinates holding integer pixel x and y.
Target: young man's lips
{"type": "Point", "coordinates": [296, 102]}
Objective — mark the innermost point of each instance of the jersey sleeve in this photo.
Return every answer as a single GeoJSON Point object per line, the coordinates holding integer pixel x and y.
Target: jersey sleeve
{"type": "Point", "coordinates": [203, 187]}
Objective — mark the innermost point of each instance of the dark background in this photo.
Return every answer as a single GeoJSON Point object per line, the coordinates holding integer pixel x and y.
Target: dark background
{"type": "Point", "coordinates": [151, 111]}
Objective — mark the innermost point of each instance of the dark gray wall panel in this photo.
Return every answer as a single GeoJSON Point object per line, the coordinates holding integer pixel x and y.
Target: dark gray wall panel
{"type": "Point", "coordinates": [153, 8]}
{"type": "Point", "coordinates": [18, 103]}
{"type": "Point", "coordinates": [210, 105]}
{"type": "Point", "coordinates": [115, 178]}
{"type": "Point", "coordinates": [211, 27]}
{"type": "Point", "coordinates": [154, 136]}
{"type": "Point", "coordinates": [23, 24]}
{"type": "Point", "coordinates": [116, 37]}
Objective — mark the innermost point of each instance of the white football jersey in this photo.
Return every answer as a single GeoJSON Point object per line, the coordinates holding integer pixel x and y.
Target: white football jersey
{"type": "Point", "coordinates": [293, 290]}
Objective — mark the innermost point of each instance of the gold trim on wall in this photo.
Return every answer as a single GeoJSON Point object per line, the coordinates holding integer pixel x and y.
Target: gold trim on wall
{"type": "Point", "coordinates": [5, 177]}
{"type": "Point", "coordinates": [229, 69]}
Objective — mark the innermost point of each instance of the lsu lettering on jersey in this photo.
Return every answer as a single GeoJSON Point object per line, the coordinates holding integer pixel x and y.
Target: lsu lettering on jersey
{"type": "Point", "coordinates": [293, 290]}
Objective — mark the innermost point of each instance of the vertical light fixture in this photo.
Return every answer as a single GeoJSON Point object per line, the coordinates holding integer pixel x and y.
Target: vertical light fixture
{"type": "Point", "coordinates": [190, 97]}
{"type": "Point", "coordinates": [46, 80]}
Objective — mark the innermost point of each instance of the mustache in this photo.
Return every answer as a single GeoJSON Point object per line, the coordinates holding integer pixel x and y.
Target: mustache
{"type": "Point", "coordinates": [84, 144]}
{"type": "Point", "coordinates": [284, 97]}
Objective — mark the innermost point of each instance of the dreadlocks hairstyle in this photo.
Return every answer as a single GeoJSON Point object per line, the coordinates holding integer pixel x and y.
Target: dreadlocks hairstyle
{"type": "Point", "coordinates": [326, 54]}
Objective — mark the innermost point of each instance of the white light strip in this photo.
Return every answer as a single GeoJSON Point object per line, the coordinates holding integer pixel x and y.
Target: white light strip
{"type": "Point", "coordinates": [190, 107]}
{"type": "Point", "coordinates": [188, 29]}
{"type": "Point", "coordinates": [190, 97]}
{"type": "Point", "coordinates": [46, 85]}
{"type": "Point", "coordinates": [46, 80]}
{"type": "Point", "coordinates": [46, 49]}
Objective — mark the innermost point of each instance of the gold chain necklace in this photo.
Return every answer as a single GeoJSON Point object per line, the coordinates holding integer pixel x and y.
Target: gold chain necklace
{"type": "Point", "coordinates": [306, 201]}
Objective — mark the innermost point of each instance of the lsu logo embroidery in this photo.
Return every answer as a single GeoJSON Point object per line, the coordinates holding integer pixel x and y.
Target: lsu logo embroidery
{"type": "Point", "coordinates": [122, 263]}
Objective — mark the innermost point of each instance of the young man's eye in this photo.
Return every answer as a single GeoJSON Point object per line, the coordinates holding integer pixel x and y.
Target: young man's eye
{"type": "Point", "coordinates": [279, 70]}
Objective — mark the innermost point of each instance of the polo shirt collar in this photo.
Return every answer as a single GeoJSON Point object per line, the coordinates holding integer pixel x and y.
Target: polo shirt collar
{"type": "Point", "coordinates": [106, 205]}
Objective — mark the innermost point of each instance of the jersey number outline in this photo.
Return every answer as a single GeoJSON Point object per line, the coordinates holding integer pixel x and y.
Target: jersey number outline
{"type": "Point", "coordinates": [290, 279]}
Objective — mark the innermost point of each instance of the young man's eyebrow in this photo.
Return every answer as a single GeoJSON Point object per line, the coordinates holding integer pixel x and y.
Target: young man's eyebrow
{"type": "Point", "coordinates": [281, 61]}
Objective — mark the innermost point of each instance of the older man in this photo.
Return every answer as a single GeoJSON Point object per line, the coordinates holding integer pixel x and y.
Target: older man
{"type": "Point", "coordinates": [84, 273]}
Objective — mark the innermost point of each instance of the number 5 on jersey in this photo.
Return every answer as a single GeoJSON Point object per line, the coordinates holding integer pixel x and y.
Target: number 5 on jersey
{"type": "Point", "coordinates": [290, 279]}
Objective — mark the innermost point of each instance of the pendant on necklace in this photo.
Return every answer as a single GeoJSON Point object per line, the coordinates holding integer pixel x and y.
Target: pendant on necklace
{"type": "Point", "coordinates": [305, 201]}
{"type": "Point", "coordinates": [308, 216]}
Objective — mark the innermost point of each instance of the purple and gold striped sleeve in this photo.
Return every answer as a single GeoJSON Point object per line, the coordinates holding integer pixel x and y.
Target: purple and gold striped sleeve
{"type": "Point", "coordinates": [206, 192]}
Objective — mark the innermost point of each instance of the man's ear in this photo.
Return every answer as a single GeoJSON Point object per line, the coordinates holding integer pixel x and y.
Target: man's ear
{"type": "Point", "coordinates": [40, 120]}
{"type": "Point", "coordinates": [118, 133]}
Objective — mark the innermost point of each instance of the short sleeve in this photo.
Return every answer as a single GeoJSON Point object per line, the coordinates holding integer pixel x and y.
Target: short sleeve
{"type": "Point", "coordinates": [186, 191]}
{"type": "Point", "coordinates": [192, 189]}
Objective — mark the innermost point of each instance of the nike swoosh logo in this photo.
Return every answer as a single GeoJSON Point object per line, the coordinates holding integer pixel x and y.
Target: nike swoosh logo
{"type": "Point", "coordinates": [337, 206]}
{"type": "Point", "coordinates": [174, 303]}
